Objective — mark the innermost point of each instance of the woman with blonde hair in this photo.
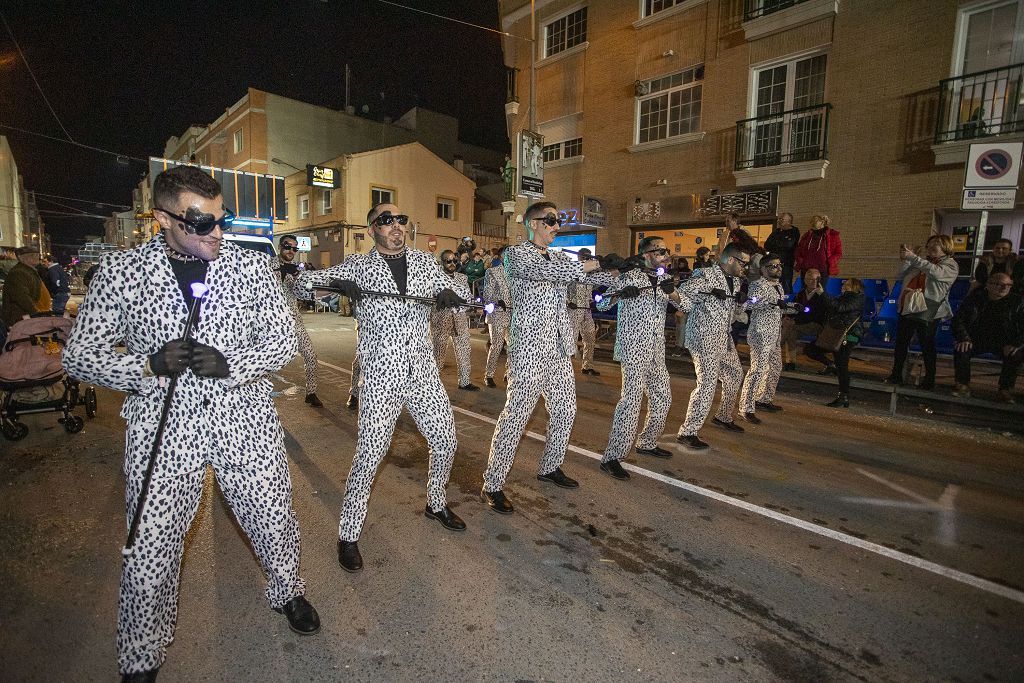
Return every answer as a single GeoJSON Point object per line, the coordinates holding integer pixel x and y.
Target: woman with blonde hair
{"type": "Point", "coordinates": [839, 335]}
{"type": "Point", "coordinates": [923, 303]}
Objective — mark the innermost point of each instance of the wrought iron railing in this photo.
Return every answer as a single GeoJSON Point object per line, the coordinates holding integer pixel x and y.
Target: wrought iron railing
{"type": "Point", "coordinates": [784, 138]}
{"type": "Point", "coordinates": [981, 104]}
{"type": "Point", "coordinates": [489, 230]}
{"type": "Point", "coordinates": [752, 9]}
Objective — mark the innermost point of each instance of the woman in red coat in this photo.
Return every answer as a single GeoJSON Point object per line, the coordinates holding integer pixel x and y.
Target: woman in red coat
{"type": "Point", "coordinates": [820, 247]}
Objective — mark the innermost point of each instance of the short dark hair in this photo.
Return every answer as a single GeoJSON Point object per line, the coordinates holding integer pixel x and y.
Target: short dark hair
{"type": "Point", "coordinates": [733, 250]}
{"type": "Point", "coordinates": [445, 251]}
{"type": "Point", "coordinates": [767, 258]}
{"type": "Point", "coordinates": [173, 182]}
{"type": "Point", "coordinates": [373, 210]}
{"type": "Point", "coordinates": [641, 247]}
{"type": "Point", "coordinates": [1003, 239]}
{"type": "Point", "coordinates": [282, 238]}
{"type": "Point", "coordinates": [537, 208]}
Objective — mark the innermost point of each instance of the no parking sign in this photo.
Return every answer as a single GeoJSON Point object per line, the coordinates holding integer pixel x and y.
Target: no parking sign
{"type": "Point", "coordinates": [991, 165]}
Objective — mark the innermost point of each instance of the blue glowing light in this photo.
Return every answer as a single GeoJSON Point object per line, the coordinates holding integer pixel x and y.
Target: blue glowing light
{"type": "Point", "coordinates": [488, 308]}
{"type": "Point", "coordinates": [598, 298]}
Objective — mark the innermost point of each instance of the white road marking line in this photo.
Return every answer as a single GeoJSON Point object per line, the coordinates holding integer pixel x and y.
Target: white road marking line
{"type": "Point", "coordinates": [896, 487]}
{"type": "Point", "coordinates": [919, 563]}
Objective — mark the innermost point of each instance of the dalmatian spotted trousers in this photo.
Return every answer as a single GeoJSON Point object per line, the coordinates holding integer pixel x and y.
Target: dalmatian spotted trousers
{"type": "Point", "coordinates": [308, 354]}
{"type": "Point", "coordinates": [381, 399]}
{"type": "Point", "coordinates": [583, 326]}
{"type": "Point", "coordinates": [649, 376]}
{"type": "Point", "coordinates": [357, 372]}
{"type": "Point", "coordinates": [530, 377]}
{"type": "Point", "coordinates": [765, 369]}
{"type": "Point", "coordinates": [452, 325]}
{"type": "Point", "coordinates": [497, 326]}
{"type": "Point", "coordinates": [711, 368]}
{"type": "Point", "coordinates": [260, 496]}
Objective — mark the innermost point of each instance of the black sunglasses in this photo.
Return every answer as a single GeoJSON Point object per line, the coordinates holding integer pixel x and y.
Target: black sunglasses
{"type": "Point", "coordinates": [660, 252]}
{"type": "Point", "coordinates": [550, 220]}
{"type": "Point", "coordinates": [387, 219]}
{"type": "Point", "coordinates": [450, 260]}
{"type": "Point", "coordinates": [289, 247]}
{"type": "Point", "coordinates": [205, 226]}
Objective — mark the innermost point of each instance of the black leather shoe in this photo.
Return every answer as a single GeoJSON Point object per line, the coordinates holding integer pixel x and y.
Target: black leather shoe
{"type": "Point", "coordinates": [751, 418]}
{"type": "Point", "coordinates": [349, 557]}
{"type": "Point", "coordinates": [840, 401]}
{"type": "Point", "coordinates": [140, 676]}
{"type": "Point", "coordinates": [770, 407]}
{"type": "Point", "coordinates": [448, 519]}
{"type": "Point", "coordinates": [352, 403]}
{"type": "Point", "coordinates": [615, 469]}
{"type": "Point", "coordinates": [590, 371]}
{"type": "Point", "coordinates": [314, 400]}
{"type": "Point", "coordinates": [656, 452]}
{"type": "Point", "coordinates": [692, 442]}
{"type": "Point", "coordinates": [469, 387]}
{"type": "Point", "coordinates": [789, 367]}
{"type": "Point", "coordinates": [731, 426]}
{"type": "Point", "coordinates": [558, 478]}
{"type": "Point", "coordinates": [497, 501]}
{"type": "Point", "coordinates": [302, 618]}
{"type": "Point", "coordinates": [828, 370]}
{"type": "Point", "coordinates": [489, 381]}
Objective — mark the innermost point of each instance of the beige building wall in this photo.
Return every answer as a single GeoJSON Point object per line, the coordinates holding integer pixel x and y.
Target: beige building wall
{"type": "Point", "coordinates": [883, 184]}
{"type": "Point", "coordinates": [12, 212]}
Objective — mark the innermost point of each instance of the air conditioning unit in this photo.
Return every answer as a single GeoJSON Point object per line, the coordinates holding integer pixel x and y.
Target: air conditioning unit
{"type": "Point", "coordinates": [642, 88]}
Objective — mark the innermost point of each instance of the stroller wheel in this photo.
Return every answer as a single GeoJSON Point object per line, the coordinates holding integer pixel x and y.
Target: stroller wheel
{"type": "Point", "coordinates": [90, 402]}
{"type": "Point", "coordinates": [14, 431]}
{"type": "Point", "coordinates": [73, 424]}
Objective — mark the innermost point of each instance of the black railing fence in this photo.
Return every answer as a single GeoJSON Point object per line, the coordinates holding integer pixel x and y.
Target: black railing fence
{"type": "Point", "coordinates": [783, 138]}
{"type": "Point", "coordinates": [981, 104]}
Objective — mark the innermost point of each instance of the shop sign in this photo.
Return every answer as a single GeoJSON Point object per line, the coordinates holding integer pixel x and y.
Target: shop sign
{"type": "Point", "coordinates": [530, 162]}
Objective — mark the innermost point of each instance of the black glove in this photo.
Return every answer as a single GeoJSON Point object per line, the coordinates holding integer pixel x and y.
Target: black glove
{"type": "Point", "coordinates": [667, 286]}
{"type": "Point", "coordinates": [629, 292]}
{"type": "Point", "coordinates": [207, 361]}
{"type": "Point", "coordinates": [446, 298]}
{"type": "Point", "coordinates": [501, 304]}
{"type": "Point", "coordinates": [348, 288]}
{"type": "Point", "coordinates": [572, 305]}
{"type": "Point", "coordinates": [719, 293]}
{"type": "Point", "coordinates": [740, 297]}
{"type": "Point", "coordinates": [172, 358]}
{"type": "Point", "coordinates": [610, 261]}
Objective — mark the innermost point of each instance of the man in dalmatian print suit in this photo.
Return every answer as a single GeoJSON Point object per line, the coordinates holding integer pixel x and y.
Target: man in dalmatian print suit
{"type": "Point", "coordinates": [398, 368]}
{"type": "Point", "coordinates": [581, 294]}
{"type": "Point", "coordinates": [453, 323]}
{"type": "Point", "coordinates": [541, 346]}
{"type": "Point", "coordinates": [221, 415]}
{"type": "Point", "coordinates": [495, 291]}
{"type": "Point", "coordinates": [712, 297]}
{"type": "Point", "coordinates": [287, 271]}
{"type": "Point", "coordinates": [766, 303]}
{"type": "Point", "coordinates": [643, 295]}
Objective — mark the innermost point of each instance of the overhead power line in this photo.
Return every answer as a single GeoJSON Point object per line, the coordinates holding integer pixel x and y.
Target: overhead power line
{"type": "Point", "coordinates": [452, 19]}
{"type": "Point", "coordinates": [77, 144]}
{"type": "Point", "coordinates": [79, 199]}
{"type": "Point", "coordinates": [34, 79]}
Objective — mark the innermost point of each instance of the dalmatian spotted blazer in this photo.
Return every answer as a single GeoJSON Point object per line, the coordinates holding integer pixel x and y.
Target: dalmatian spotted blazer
{"type": "Point", "coordinates": [495, 289]}
{"type": "Point", "coordinates": [763, 336]}
{"type": "Point", "coordinates": [541, 344]}
{"type": "Point", "coordinates": [305, 343]}
{"type": "Point", "coordinates": [398, 370]}
{"type": "Point", "coordinates": [708, 328]}
{"type": "Point", "coordinates": [230, 423]}
{"type": "Point", "coordinates": [641, 347]}
{"type": "Point", "coordinates": [453, 323]}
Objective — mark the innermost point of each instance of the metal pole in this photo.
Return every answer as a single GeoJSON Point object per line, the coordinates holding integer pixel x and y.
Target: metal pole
{"type": "Point", "coordinates": [533, 65]}
{"type": "Point", "coordinates": [979, 242]}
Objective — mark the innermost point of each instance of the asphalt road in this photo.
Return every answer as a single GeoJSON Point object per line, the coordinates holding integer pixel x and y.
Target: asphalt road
{"type": "Point", "coordinates": [821, 545]}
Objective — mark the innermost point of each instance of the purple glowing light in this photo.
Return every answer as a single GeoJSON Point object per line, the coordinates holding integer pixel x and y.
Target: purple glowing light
{"type": "Point", "coordinates": [489, 308]}
{"type": "Point", "coordinates": [807, 309]}
{"type": "Point", "coordinates": [199, 290]}
{"type": "Point", "coordinates": [598, 298]}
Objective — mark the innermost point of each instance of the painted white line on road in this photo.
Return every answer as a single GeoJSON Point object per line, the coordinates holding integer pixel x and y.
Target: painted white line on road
{"type": "Point", "coordinates": [919, 563]}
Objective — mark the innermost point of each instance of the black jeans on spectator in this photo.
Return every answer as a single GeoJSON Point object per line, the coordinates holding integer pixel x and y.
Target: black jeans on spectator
{"type": "Point", "coordinates": [840, 358]}
{"type": "Point", "coordinates": [1007, 376]}
{"type": "Point", "coordinates": [787, 277]}
{"type": "Point", "coordinates": [905, 331]}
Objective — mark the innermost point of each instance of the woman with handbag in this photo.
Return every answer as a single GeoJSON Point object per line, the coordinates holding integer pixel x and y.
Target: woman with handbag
{"type": "Point", "coordinates": [839, 335]}
{"type": "Point", "coordinates": [923, 303]}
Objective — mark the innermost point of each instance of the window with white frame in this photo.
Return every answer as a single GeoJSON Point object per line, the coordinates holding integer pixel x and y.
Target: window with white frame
{"type": "Point", "coordinates": [303, 206]}
{"type": "Point", "coordinates": [326, 199]}
{"type": "Point", "coordinates": [563, 150]}
{"type": "Point", "coordinates": [552, 152]}
{"type": "Point", "coordinates": [670, 105]}
{"type": "Point", "coordinates": [238, 140]}
{"type": "Point", "coordinates": [446, 208]}
{"type": "Point", "coordinates": [790, 115]}
{"type": "Point", "coordinates": [565, 32]}
{"type": "Point", "coordinates": [990, 35]}
{"type": "Point", "coordinates": [655, 6]}
{"type": "Point", "coordinates": [381, 195]}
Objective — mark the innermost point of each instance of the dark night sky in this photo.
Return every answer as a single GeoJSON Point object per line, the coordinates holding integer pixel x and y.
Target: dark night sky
{"type": "Point", "coordinates": [127, 76]}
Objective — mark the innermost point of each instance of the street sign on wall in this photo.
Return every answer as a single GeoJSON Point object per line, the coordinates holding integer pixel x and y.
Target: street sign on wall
{"type": "Point", "coordinates": [992, 165]}
{"type": "Point", "coordinates": [989, 200]}
{"type": "Point", "coordinates": [304, 243]}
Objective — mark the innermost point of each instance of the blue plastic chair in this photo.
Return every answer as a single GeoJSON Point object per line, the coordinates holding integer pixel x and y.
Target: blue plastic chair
{"type": "Point", "coordinates": [834, 286]}
{"type": "Point", "coordinates": [798, 283]}
{"type": "Point", "coordinates": [889, 308]}
{"type": "Point", "coordinates": [876, 289]}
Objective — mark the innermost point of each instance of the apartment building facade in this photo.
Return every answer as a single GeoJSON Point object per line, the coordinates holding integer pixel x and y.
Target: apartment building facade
{"type": "Point", "coordinates": [675, 113]}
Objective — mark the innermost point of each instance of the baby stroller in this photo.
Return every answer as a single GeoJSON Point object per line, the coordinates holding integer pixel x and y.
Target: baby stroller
{"type": "Point", "coordinates": [33, 380]}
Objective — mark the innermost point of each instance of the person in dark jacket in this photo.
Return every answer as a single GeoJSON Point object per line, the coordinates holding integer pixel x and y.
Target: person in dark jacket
{"type": "Point", "coordinates": [58, 283]}
{"type": "Point", "coordinates": [812, 307]}
{"type": "Point", "coordinates": [23, 292]}
{"type": "Point", "coordinates": [1000, 260]}
{"type": "Point", "coordinates": [843, 314]}
{"type": "Point", "coordinates": [990, 320]}
{"type": "Point", "coordinates": [783, 241]}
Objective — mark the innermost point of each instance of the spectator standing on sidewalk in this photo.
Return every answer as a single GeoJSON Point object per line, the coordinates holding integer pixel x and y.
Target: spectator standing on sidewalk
{"type": "Point", "coordinates": [821, 248]}
{"type": "Point", "coordinates": [805, 322]}
{"type": "Point", "coordinates": [842, 333]}
{"type": "Point", "coordinates": [475, 269]}
{"type": "Point", "coordinates": [58, 283]}
{"type": "Point", "coordinates": [1000, 260]}
{"type": "Point", "coordinates": [990, 320]}
{"type": "Point", "coordinates": [923, 303]}
{"type": "Point", "coordinates": [24, 292]}
{"type": "Point", "coordinates": [783, 242]}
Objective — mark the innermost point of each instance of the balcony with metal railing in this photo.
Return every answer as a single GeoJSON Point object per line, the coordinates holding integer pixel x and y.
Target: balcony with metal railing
{"type": "Point", "coordinates": [783, 147]}
{"type": "Point", "coordinates": [981, 105]}
{"type": "Point", "coordinates": [754, 9]}
{"type": "Point", "coordinates": [765, 17]}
